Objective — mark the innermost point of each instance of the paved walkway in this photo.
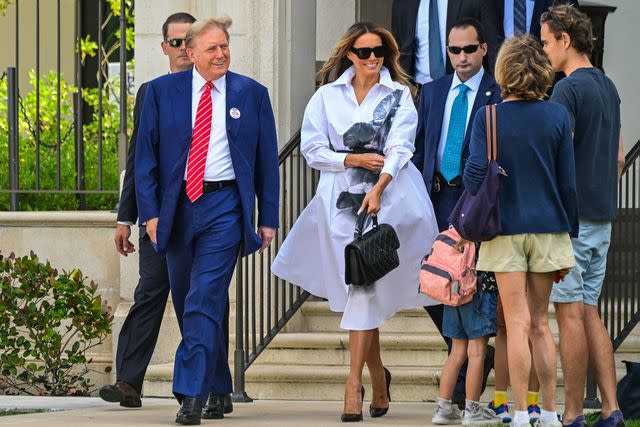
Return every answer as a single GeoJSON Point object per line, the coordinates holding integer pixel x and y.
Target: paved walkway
{"type": "Point", "coordinates": [71, 412]}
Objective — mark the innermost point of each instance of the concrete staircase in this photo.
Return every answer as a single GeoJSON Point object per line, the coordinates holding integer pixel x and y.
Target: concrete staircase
{"type": "Point", "coordinates": [309, 359]}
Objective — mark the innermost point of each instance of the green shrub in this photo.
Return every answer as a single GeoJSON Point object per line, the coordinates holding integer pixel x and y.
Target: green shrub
{"type": "Point", "coordinates": [49, 322]}
{"type": "Point", "coordinates": [48, 128]}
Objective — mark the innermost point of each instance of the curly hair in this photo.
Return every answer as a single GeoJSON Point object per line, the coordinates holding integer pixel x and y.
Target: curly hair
{"type": "Point", "coordinates": [338, 61]}
{"type": "Point", "coordinates": [565, 18]}
{"type": "Point", "coordinates": [523, 69]}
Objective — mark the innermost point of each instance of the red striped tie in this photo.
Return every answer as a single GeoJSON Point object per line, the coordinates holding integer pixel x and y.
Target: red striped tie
{"type": "Point", "coordinates": [199, 145]}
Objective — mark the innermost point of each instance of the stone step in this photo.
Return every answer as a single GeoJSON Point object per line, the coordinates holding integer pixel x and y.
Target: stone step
{"type": "Point", "coordinates": [397, 350]}
{"type": "Point", "coordinates": [326, 382]}
{"type": "Point", "coordinates": [317, 317]}
{"type": "Point", "coordinates": [330, 348]}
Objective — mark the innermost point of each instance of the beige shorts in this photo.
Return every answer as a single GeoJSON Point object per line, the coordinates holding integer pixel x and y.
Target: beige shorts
{"type": "Point", "coordinates": [535, 253]}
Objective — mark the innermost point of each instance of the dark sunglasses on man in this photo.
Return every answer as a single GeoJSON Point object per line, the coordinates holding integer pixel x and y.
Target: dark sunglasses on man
{"type": "Point", "coordinates": [175, 42]}
{"type": "Point", "coordinates": [365, 52]}
{"type": "Point", "coordinates": [470, 48]}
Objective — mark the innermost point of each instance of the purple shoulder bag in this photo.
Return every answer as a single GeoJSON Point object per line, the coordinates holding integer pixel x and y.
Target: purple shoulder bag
{"type": "Point", "coordinates": [477, 217]}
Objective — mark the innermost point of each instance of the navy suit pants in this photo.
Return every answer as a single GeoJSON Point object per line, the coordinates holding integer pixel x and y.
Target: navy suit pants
{"type": "Point", "coordinates": [139, 333]}
{"type": "Point", "coordinates": [201, 256]}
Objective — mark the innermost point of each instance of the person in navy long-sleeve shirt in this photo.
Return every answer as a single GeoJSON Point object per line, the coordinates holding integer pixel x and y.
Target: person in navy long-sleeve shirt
{"type": "Point", "coordinates": [535, 148]}
{"type": "Point", "coordinates": [539, 212]}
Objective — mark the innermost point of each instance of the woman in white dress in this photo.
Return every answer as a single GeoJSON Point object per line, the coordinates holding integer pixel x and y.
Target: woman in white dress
{"type": "Point", "coordinates": [359, 132]}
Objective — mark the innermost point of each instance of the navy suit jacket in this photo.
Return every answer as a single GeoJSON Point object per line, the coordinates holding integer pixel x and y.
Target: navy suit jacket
{"type": "Point", "coordinates": [430, 115]}
{"type": "Point", "coordinates": [127, 208]}
{"type": "Point", "coordinates": [163, 142]}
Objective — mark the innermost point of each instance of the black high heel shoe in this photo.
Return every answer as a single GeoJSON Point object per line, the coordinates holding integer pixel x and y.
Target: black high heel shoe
{"type": "Point", "coordinates": [350, 418]}
{"type": "Point", "coordinates": [379, 412]}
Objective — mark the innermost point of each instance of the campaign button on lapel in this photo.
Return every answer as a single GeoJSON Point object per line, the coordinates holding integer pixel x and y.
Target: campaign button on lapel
{"type": "Point", "coordinates": [234, 113]}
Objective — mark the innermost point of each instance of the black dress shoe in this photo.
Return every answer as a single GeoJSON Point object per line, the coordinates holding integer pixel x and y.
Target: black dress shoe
{"type": "Point", "coordinates": [123, 393]}
{"type": "Point", "coordinates": [214, 409]}
{"type": "Point", "coordinates": [350, 418]}
{"type": "Point", "coordinates": [190, 412]}
{"type": "Point", "coordinates": [228, 404]}
{"type": "Point", "coordinates": [379, 412]}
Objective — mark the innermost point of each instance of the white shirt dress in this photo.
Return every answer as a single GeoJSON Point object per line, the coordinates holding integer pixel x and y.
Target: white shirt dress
{"type": "Point", "coordinates": [312, 255]}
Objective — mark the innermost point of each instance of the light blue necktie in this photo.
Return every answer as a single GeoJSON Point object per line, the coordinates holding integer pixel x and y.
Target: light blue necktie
{"type": "Point", "coordinates": [519, 17]}
{"type": "Point", "coordinates": [450, 167]}
{"type": "Point", "coordinates": [436, 62]}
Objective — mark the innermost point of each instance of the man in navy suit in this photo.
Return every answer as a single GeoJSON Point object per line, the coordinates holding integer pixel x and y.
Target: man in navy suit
{"type": "Point", "coordinates": [442, 138]}
{"type": "Point", "coordinates": [139, 333]}
{"type": "Point", "coordinates": [413, 26]}
{"type": "Point", "coordinates": [206, 149]}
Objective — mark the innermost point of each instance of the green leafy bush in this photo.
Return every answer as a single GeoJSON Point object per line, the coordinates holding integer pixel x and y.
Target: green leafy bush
{"type": "Point", "coordinates": [49, 321]}
{"type": "Point", "coordinates": [48, 129]}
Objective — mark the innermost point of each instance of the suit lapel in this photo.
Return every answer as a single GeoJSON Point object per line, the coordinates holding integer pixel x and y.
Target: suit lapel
{"type": "Point", "coordinates": [485, 90]}
{"type": "Point", "coordinates": [538, 7]}
{"type": "Point", "coordinates": [233, 105]}
{"type": "Point", "coordinates": [453, 12]}
{"type": "Point", "coordinates": [440, 99]}
{"type": "Point", "coordinates": [182, 110]}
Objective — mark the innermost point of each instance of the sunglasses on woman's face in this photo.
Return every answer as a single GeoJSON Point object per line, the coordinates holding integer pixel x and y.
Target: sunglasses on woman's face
{"type": "Point", "coordinates": [470, 48]}
{"type": "Point", "coordinates": [175, 42]}
{"type": "Point", "coordinates": [365, 52]}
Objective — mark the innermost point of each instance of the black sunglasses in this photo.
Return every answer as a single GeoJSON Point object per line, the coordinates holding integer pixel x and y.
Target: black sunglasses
{"type": "Point", "coordinates": [175, 42]}
{"type": "Point", "coordinates": [365, 52]}
{"type": "Point", "coordinates": [470, 48]}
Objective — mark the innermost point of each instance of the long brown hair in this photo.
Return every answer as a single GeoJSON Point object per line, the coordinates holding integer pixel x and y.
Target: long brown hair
{"type": "Point", "coordinates": [338, 62]}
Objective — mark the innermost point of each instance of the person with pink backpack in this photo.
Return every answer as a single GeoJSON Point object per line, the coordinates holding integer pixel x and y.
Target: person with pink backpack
{"type": "Point", "coordinates": [448, 275]}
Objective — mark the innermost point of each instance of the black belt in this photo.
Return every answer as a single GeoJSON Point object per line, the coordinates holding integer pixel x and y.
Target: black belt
{"type": "Point", "coordinates": [212, 186]}
{"type": "Point", "coordinates": [439, 181]}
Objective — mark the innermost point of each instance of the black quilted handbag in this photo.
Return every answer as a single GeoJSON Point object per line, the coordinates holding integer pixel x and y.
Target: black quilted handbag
{"type": "Point", "coordinates": [370, 256]}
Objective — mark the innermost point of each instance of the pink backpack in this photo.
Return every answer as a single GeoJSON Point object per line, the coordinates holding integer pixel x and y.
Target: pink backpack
{"type": "Point", "coordinates": [448, 273]}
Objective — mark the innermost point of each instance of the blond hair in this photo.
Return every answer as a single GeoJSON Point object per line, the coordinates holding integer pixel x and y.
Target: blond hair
{"type": "Point", "coordinates": [338, 62]}
{"type": "Point", "coordinates": [523, 69]}
{"type": "Point", "coordinates": [202, 25]}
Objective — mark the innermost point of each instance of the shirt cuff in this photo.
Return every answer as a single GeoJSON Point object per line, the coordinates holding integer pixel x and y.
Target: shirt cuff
{"type": "Point", "coordinates": [338, 160]}
{"type": "Point", "coordinates": [127, 223]}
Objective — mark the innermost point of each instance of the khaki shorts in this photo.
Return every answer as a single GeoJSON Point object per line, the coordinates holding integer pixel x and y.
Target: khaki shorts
{"type": "Point", "coordinates": [535, 253]}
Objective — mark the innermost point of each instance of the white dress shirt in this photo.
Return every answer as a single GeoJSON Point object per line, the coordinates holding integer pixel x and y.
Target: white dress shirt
{"type": "Point", "coordinates": [508, 16]}
{"type": "Point", "coordinates": [219, 166]}
{"type": "Point", "coordinates": [333, 109]}
{"type": "Point", "coordinates": [423, 73]}
{"type": "Point", "coordinates": [473, 84]}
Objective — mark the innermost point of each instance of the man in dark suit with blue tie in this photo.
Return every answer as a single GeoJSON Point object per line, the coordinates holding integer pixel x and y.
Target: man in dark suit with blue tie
{"type": "Point", "coordinates": [517, 17]}
{"type": "Point", "coordinates": [206, 149]}
{"type": "Point", "coordinates": [420, 28]}
{"type": "Point", "coordinates": [446, 110]}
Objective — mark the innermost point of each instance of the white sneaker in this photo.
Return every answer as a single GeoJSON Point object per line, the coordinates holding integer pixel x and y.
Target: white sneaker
{"type": "Point", "coordinates": [484, 416]}
{"type": "Point", "coordinates": [441, 417]}
{"type": "Point", "coordinates": [555, 423]}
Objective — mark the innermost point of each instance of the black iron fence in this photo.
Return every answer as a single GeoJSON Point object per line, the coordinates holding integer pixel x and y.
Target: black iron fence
{"type": "Point", "coordinates": [619, 305]}
{"type": "Point", "coordinates": [66, 138]}
{"type": "Point", "coordinates": [265, 303]}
